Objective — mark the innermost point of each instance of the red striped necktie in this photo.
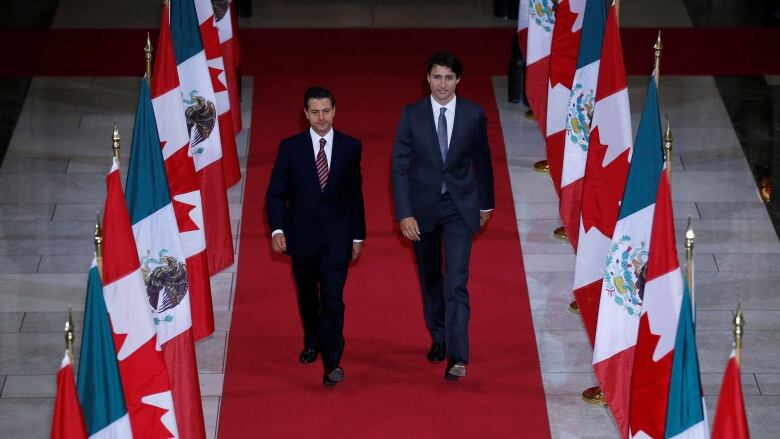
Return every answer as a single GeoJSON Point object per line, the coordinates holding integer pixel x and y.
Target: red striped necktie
{"type": "Point", "coordinates": [322, 165]}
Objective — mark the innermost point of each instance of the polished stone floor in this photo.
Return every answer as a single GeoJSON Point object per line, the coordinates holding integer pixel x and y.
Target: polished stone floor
{"type": "Point", "coordinates": [51, 184]}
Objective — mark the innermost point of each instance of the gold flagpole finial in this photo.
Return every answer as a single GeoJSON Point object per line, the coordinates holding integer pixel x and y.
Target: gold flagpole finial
{"type": "Point", "coordinates": [668, 149]}
{"type": "Point", "coordinates": [115, 145]}
{"type": "Point", "coordinates": [69, 334]}
{"type": "Point", "coordinates": [657, 49]}
{"type": "Point", "coordinates": [99, 244]}
{"type": "Point", "coordinates": [739, 329]}
{"type": "Point", "coordinates": [689, 237]}
{"type": "Point", "coordinates": [148, 56]}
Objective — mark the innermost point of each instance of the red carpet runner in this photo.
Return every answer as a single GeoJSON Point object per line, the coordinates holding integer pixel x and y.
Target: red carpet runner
{"type": "Point", "coordinates": [390, 391]}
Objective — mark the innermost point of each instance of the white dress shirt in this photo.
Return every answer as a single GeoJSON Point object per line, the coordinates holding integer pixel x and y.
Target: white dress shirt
{"type": "Point", "coordinates": [315, 141]}
{"type": "Point", "coordinates": [449, 115]}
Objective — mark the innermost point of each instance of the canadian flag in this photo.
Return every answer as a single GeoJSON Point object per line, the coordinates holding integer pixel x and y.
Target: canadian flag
{"type": "Point", "coordinates": [141, 363]}
{"type": "Point", "coordinates": [225, 17]}
{"type": "Point", "coordinates": [182, 179]}
{"type": "Point", "coordinates": [563, 63]}
{"type": "Point", "coordinates": [541, 21]}
{"type": "Point", "coordinates": [661, 301]}
{"type": "Point", "coordinates": [67, 421]}
{"type": "Point", "coordinates": [730, 419]}
{"type": "Point", "coordinates": [219, 80]}
{"type": "Point", "coordinates": [204, 128]}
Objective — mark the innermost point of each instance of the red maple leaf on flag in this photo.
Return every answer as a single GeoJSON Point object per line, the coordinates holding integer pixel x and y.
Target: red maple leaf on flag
{"type": "Point", "coordinates": [217, 83]}
{"type": "Point", "coordinates": [603, 187]}
{"type": "Point", "coordinates": [650, 417]}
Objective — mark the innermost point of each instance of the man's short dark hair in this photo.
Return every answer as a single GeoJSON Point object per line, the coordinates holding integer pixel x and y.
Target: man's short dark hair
{"type": "Point", "coordinates": [318, 92]}
{"type": "Point", "coordinates": [445, 58]}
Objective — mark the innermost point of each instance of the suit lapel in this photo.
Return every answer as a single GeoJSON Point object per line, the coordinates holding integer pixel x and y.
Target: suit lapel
{"type": "Point", "coordinates": [310, 159]}
{"type": "Point", "coordinates": [336, 156]}
{"type": "Point", "coordinates": [457, 128]}
{"type": "Point", "coordinates": [427, 109]}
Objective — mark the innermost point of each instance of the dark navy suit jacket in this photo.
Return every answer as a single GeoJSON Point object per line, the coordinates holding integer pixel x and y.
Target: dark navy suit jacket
{"type": "Point", "coordinates": [418, 169]}
{"type": "Point", "coordinates": [314, 220]}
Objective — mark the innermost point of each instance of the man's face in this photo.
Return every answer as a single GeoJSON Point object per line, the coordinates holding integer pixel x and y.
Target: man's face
{"type": "Point", "coordinates": [320, 114]}
{"type": "Point", "coordinates": [443, 82]}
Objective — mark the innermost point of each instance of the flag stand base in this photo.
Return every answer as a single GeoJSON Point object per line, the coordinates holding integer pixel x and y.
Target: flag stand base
{"type": "Point", "coordinates": [574, 307]}
{"type": "Point", "coordinates": [542, 166]}
{"type": "Point", "coordinates": [560, 233]}
{"type": "Point", "coordinates": [593, 396]}
{"type": "Point", "coordinates": [529, 116]}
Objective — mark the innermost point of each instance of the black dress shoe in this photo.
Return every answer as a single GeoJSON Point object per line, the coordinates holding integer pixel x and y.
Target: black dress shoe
{"type": "Point", "coordinates": [333, 376]}
{"type": "Point", "coordinates": [308, 355]}
{"type": "Point", "coordinates": [455, 370]}
{"type": "Point", "coordinates": [437, 352]}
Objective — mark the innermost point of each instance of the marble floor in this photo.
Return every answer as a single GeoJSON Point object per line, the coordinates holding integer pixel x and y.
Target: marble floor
{"type": "Point", "coordinates": [51, 183]}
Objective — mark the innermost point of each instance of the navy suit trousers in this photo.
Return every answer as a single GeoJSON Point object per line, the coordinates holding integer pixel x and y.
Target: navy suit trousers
{"type": "Point", "coordinates": [444, 292]}
{"type": "Point", "coordinates": [320, 280]}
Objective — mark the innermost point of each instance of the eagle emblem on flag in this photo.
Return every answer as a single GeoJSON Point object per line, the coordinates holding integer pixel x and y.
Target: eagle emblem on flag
{"type": "Point", "coordinates": [201, 116]}
{"type": "Point", "coordinates": [166, 282]}
{"type": "Point", "coordinates": [543, 13]}
{"type": "Point", "coordinates": [625, 274]}
{"type": "Point", "coordinates": [579, 116]}
{"type": "Point", "coordinates": [220, 8]}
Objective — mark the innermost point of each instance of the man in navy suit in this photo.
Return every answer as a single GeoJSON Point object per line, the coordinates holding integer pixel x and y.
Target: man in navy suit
{"type": "Point", "coordinates": [442, 179]}
{"type": "Point", "coordinates": [315, 211]}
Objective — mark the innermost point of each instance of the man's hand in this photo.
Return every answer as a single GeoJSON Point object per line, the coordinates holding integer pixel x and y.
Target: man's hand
{"type": "Point", "coordinates": [409, 228]}
{"type": "Point", "coordinates": [357, 248]}
{"type": "Point", "coordinates": [279, 243]}
{"type": "Point", "coordinates": [484, 217]}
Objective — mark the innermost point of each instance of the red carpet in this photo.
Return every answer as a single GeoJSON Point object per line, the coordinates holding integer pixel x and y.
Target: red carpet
{"type": "Point", "coordinates": [390, 391]}
{"type": "Point", "coordinates": [119, 52]}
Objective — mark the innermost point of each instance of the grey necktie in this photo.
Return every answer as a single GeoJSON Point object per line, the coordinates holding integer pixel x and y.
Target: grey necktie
{"type": "Point", "coordinates": [441, 131]}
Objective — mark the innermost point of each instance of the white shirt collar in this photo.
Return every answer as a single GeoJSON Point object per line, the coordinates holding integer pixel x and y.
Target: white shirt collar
{"type": "Point", "coordinates": [315, 138]}
{"type": "Point", "coordinates": [450, 105]}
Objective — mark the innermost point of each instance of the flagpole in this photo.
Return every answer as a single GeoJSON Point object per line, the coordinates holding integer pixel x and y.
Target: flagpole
{"type": "Point", "coordinates": [98, 238]}
{"type": "Point", "coordinates": [657, 49]}
{"type": "Point", "coordinates": [148, 57]}
{"type": "Point", "coordinates": [115, 145]}
{"type": "Point", "coordinates": [739, 325]}
{"type": "Point", "coordinates": [69, 335]}
{"type": "Point", "coordinates": [668, 150]}
{"type": "Point", "coordinates": [689, 237]}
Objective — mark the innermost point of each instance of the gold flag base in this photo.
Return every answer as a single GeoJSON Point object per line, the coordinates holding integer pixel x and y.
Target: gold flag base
{"type": "Point", "coordinates": [529, 116]}
{"type": "Point", "coordinates": [560, 233]}
{"type": "Point", "coordinates": [764, 188]}
{"type": "Point", "coordinates": [542, 166]}
{"type": "Point", "coordinates": [574, 307]}
{"type": "Point", "coordinates": [593, 396]}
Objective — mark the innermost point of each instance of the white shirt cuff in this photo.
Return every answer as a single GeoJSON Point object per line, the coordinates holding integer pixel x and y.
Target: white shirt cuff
{"type": "Point", "coordinates": [276, 232]}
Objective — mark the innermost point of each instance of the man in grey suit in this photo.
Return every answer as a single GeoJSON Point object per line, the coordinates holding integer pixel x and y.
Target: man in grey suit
{"type": "Point", "coordinates": [442, 179]}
